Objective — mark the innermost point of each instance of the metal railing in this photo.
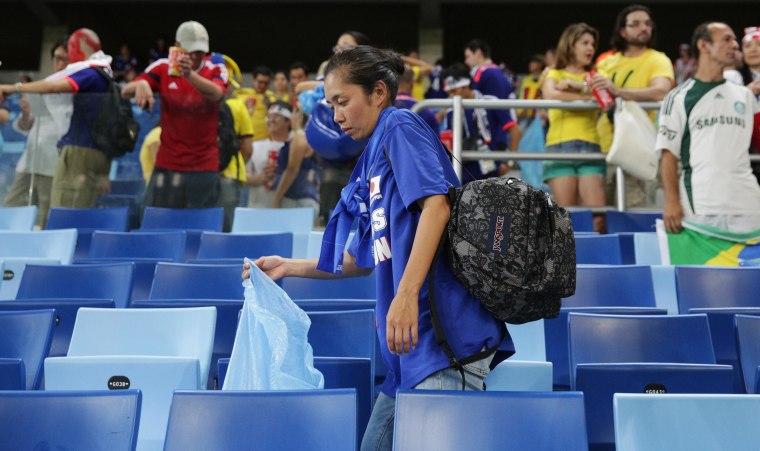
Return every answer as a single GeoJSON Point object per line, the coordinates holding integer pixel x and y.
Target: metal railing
{"type": "Point", "coordinates": [459, 104]}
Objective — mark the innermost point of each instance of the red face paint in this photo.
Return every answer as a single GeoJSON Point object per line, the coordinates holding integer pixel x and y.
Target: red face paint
{"type": "Point", "coordinates": [82, 43]}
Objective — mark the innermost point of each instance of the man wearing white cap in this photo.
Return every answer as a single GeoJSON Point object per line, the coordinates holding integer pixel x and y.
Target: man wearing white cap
{"type": "Point", "coordinates": [187, 165]}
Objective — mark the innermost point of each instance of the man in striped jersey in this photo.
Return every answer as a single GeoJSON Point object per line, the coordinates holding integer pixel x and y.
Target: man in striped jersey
{"type": "Point", "coordinates": [706, 125]}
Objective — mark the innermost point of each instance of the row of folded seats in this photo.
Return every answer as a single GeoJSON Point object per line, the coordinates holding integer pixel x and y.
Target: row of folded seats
{"type": "Point", "coordinates": [631, 290]}
{"type": "Point", "coordinates": [320, 420]}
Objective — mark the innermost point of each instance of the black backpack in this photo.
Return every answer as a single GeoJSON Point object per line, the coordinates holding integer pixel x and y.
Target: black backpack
{"type": "Point", "coordinates": [227, 139]}
{"type": "Point", "coordinates": [114, 129]}
{"type": "Point", "coordinates": [512, 247]}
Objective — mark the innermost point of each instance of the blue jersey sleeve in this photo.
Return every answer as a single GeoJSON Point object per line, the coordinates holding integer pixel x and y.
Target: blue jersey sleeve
{"type": "Point", "coordinates": [89, 80]}
{"type": "Point", "coordinates": [417, 162]}
{"type": "Point", "coordinates": [493, 82]}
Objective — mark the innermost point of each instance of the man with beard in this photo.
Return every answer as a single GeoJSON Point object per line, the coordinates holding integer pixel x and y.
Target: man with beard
{"type": "Point", "coordinates": [636, 72]}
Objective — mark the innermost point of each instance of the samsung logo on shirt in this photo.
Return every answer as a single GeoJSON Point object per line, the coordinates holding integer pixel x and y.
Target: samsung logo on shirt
{"type": "Point", "coordinates": [720, 120]}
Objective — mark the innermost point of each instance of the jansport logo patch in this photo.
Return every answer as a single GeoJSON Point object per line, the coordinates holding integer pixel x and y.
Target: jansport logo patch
{"type": "Point", "coordinates": [499, 234]}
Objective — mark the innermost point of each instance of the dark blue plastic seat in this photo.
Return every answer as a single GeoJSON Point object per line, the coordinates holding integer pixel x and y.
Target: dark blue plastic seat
{"type": "Point", "coordinates": [715, 286]}
{"type": "Point", "coordinates": [490, 421]}
{"type": "Point", "coordinates": [583, 220]}
{"type": "Point", "coordinates": [192, 220]}
{"type": "Point", "coordinates": [87, 221]}
{"type": "Point", "coordinates": [314, 420]}
{"type": "Point", "coordinates": [598, 250]}
{"type": "Point", "coordinates": [189, 281]}
{"type": "Point", "coordinates": [348, 288]}
{"type": "Point", "coordinates": [631, 221]}
{"type": "Point", "coordinates": [26, 336]}
{"type": "Point", "coordinates": [70, 420]}
{"type": "Point", "coordinates": [748, 338]}
{"type": "Point", "coordinates": [233, 247]}
{"type": "Point", "coordinates": [607, 353]}
{"type": "Point", "coordinates": [95, 281]}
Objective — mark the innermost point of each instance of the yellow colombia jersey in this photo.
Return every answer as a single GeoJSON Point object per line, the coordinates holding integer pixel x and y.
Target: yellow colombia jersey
{"type": "Point", "coordinates": [148, 161]}
{"type": "Point", "coordinates": [635, 72]}
{"type": "Point", "coordinates": [568, 125]}
{"type": "Point", "coordinates": [418, 89]}
{"type": "Point", "coordinates": [530, 87]}
{"type": "Point", "coordinates": [258, 105]}
{"type": "Point", "coordinates": [244, 128]}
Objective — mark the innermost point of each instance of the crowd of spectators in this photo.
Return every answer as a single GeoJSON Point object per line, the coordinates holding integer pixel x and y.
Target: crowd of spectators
{"type": "Point", "coordinates": [277, 164]}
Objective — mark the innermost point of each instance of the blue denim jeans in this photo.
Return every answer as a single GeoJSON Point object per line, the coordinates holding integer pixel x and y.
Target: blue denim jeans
{"type": "Point", "coordinates": [379, 433]}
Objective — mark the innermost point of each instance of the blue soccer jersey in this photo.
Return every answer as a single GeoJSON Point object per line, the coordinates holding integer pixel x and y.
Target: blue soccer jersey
{"type": "Point", "coordinates": [489, 80]}
{"type": "Point", "coordinates": [418, 168]}
{"type": "Point", "coordinates": [89, 87]}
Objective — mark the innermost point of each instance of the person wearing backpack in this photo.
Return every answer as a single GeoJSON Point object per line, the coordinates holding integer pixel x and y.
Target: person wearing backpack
{"type": "Point", "coordinates": [83, 166]}
{"type": "Point", "coordinates": [398, 193]}
{"type": "Point", "coordinates": [186, 174]}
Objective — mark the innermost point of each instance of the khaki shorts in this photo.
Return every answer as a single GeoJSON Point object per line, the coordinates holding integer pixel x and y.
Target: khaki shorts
{"type": "Point", "coordinates": [80, 177]}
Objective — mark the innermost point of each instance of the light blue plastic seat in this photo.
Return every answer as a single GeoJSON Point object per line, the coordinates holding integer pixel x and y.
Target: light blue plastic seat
{"type": "Point", "coordinates": [529, 340]}
{"type": "Point", "coordinates": [196, 281]}
{"type": "Point", "coordinates": [716, 286]}
{"type": "Point", "coordinates": [598, 250]}
{"type": "Point", "coordinates": [315, 420]}
{"type": "Point", "coordinates": [102, 420]}
{"type": "Point", "coordinates": [664, 281]}
{"type": "Point", "coordinates": [650, 357]}
{"type": "Point", "coordinates": [347, 288]}
{"type": "Point", "coordinates": [155, 377]}
{"type": "Point", "coordinates": [748, 339]}
{"type": "Point", "coordinates": [87, 221]}
{"type": "Point", "coordinates": [314, 247]}
{"type": "Point", "coordinates": [18, 218]}
{"type": "Point", "coordinates": [231, 248]}
{"type": "Point", "coordinates": [157, 350]}
{"type": "Point", "coordinates": [17, 249]}
{"type": "Point", "coordinates": [26, 336]}
{"type": "Point", "coordinates": [227, 318]}
{"type": "Point", "coordinates": [520, 375]}
{"type": "Point", "coordinates": [298, 221]}
{"type": "Point", "coordinates": [646, 248]}
{"type": "Point", "coordinates": [91, 281]}
{"type": "Point", "coordinates": [489, 421]}
{"type": "Point", "coordinates": [687, 422]}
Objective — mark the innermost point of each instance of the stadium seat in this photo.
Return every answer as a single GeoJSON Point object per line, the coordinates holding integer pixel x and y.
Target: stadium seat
{"type": "Point", "coordinates": [619, 353]}
{"type": "Point", "coordinates": [715, 286]}
{"type": "Point", "coordinates": [298, 221]}
{"type": "Point", "coordinates": [154, 350]}
{"type": "Point", "coordinates": [646, 249]}
{"type": "Point", "coordinates": [231, 248]}
{"type": "Point", "coordinates": [227, 317]}
{"type": "Point", "coordinates": [314, 420]}
{"type": "Point", "coordinates": [599, 289]}
{"type": "Point", "coordinates": [132, 202]}
{"type": "Point", "coordinates": [191, 281]}
{"type": "Point", "coordinates": [20, 219]}
{"type": "Point", "coordinates": [334, 305]}
{"type": "Point", "coordinates": [349, 333]}
{"type": "Point", "coordinates": [598, 249]}
{"type": "Point", "coordinates": [723, 334]}
{"type": "Point", "coordinates": [583, 220]}
{"type": "Point", "coordinates": [489, 421]}
{"type": "Point", "coordinates": [748, 338]}
{"type": "Point", "coordinates": [12, 374]}
{"type": "Point", "coordinates": [631, 221]}
{"type": "Point", "coordinates": [96, 281]}
{"type": "Point", "coordinates": [351, 372]}
{"type": "Point", "coordinates": [348, 288]}
{"type": "Point", "coordinates": [664, 281]}
{"type": "Point", "coordinates": [518, 375]}
{"type": "Point", "coordinates": [17, 249]}
{"type": "Point", "coordinates": [65, 316]}
{"type": "Point", "coordinates": [192, 220]}
{"type": "Point", "coordinates": [686, 422]}
{"type": "Point", "coordinates": [26, 336]}
{"type": "Point", "coordinates": [529, 340]}
{"type": "Point", "coordinates": [167, 245]}
{"type": "Point", "coordinates": [47, 420]}
{"type": "Point", "coordinates": [86, 221]}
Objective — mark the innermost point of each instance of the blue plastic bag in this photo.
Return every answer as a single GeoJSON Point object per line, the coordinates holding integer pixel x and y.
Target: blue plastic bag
{"type": "Point", "coordinates": [271, 351]}
{"type": "Point", "coordinates": [533, 140]}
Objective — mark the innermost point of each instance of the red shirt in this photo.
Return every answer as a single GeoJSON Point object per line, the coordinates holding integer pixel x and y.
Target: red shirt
{"type": "Point", "coordinates": [189, 121]}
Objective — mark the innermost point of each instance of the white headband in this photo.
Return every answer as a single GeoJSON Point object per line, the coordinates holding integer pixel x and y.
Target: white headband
{"type": "Point", "coordinates": [282, 111]}
{"type": "Point", "coordinates": [453, 83]}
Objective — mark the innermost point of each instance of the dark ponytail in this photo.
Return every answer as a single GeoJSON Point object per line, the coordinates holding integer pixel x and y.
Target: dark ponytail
{"type": "Point", "coordinates": [365, 66]}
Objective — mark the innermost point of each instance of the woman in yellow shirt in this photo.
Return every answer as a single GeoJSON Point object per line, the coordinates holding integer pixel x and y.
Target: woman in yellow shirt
{"type": "Point", "coordinates": [574, 182]}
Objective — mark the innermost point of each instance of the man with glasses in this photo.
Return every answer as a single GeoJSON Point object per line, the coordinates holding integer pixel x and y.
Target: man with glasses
{"type": "Point", "coordinates": [636, 72]}
{"type": "Point", "coordinates": [35, 169]}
